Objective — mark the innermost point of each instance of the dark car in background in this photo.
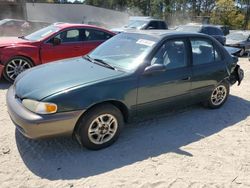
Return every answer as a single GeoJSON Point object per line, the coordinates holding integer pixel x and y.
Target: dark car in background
{"type": "Point", "coordinates": [212, 30]}
{"type": "Point", "coordinates": [128, 76]}
{"type": "Point", "coordinates": [225, 29]}
{"type": "Point", "coordinates": [239, 39]}
{"type": "Point", "coordinates": [142, 23]}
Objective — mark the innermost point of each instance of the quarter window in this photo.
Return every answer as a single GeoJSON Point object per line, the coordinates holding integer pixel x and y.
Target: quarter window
{"type": "Point", "coordinates": [172, 54]}
{"type": "Point", "coordinates": [204, 52]}
{"type": "Point", "coordinates": [94, 35]}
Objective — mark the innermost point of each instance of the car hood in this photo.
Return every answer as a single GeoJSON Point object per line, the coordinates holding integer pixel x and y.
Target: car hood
{"type": "Point", "coordinates": [122, 29]}
{"type": "Point", "coordinates": [7, 41]}
{"type": "Point", "coordinates": [45, 80]}
{"type": "Point", "coordinates": [233, 42]}
{"type": "Point", "coordinates": [232, 50]}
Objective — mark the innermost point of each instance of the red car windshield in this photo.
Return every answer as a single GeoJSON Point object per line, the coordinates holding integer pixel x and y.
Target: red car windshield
{"type": "Point", "coordinates": [42, 33]}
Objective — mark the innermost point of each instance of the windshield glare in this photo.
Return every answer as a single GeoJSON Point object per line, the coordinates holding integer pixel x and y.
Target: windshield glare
{"type": "Point", "coordinates": [189, 28]}
{"type": "Point", "coordinates": [125, 51]}
{"type": "Point", "coordinates": [3, 21]}
{"type": "Point", "coordinates": [238, 36]}
{"type": "Point", "coordinates": [42, 33]}
{"type": "Point", "coordinates": [137, 24]}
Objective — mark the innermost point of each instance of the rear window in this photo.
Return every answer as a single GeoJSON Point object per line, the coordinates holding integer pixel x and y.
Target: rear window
{"type": "Point", "coordinates": [204, 52]}
{"type": "Point", "coordinates": [212, 31]}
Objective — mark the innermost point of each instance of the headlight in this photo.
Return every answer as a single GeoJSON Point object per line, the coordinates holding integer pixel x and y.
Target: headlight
{"type": "Point", "coordinates": [40, 107]}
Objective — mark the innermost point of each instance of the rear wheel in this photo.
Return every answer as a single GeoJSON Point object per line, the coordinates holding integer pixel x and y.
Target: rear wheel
{"type": "Point", "coordinates": [15, 66]}
{"type": "Point", "coordinates": [100, 127]}
{"type": "Point", "coordinates": [218, 96]}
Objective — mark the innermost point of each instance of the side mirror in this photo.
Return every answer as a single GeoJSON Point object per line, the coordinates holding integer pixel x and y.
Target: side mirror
{"type": "Point", "coordinates": [56, 41]}
{"type": "Point", "coordinates": [154, 69]}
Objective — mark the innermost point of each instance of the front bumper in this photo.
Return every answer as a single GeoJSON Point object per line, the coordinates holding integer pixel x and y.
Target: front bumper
{"type": "Point", "coordinates": [35, 126]}
{"type": "Point", "coordinates": [1, 70]}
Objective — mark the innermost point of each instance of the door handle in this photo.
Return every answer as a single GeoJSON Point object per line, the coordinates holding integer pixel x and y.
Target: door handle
{"type": "Point", "coordinates": [186, 78]}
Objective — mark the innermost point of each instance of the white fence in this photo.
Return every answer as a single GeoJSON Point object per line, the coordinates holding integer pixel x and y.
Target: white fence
{"type": "Point", "coordinates": [75, 13]}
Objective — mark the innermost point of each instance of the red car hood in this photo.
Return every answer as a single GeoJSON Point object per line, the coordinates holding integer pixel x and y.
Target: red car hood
{"type": "Point", "coordinates": [7, 41]}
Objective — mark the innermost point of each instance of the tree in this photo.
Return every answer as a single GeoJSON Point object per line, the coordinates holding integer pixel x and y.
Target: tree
{"type": "Point", "coordinates": [226, 13]}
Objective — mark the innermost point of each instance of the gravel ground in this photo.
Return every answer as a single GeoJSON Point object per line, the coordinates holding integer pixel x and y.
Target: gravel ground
{"type": "Point", "coordinates": [196, 147]}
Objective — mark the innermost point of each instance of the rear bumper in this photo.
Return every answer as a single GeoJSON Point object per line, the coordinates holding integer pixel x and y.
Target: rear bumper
{"type": "Point", "coordinates": [1, 70]}
{"type": "Point", "coordinates": [237, 75]}
{"type": "Point", "coordinates": [34, 125]}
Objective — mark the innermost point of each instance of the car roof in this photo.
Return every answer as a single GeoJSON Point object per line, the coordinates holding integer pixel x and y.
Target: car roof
{"type": "Point", "coordinates": [145, 19]}
{"type": "Point", "coordinates": [9, 19]}
{"type": "Point", "coordinates": [203, 25]}
{"type": "Point", "coordinates": [164, 33]}
{"type": "Point", "coordinates": [63, 25]}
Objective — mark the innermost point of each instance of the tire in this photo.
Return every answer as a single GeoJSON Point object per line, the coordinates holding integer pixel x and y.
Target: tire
{"type": "Point", "coordinates": [218, 96]}
{"type": "Point", "coordinates": [15, 66]}
{"type": "Point", "coordinates": [92, 131]}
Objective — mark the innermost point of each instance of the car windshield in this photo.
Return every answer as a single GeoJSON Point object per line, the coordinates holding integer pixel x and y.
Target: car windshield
{"type": "Point", "coordinates": [238, 36]}
{"type": "Point", "coordinates": [3, 21]}
{"type": "Point", "coordinates": [125, 51]}
{"type": "Point", "coordinates": [42, 33]}
{"type": "Point", "coordinates": [189, 28]}
{"type": "Point", "coordinates": [136, 24]}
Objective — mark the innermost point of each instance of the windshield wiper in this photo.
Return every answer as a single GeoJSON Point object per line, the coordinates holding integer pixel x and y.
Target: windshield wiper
{"type": "Point", "coordinates": [88, 58]}
{"type": "Point", "coordinates": [99, 61]}
{"type": "Point", "coordinates": [104, 63]}
{"type": "Point", "coordinates": [22, 37]}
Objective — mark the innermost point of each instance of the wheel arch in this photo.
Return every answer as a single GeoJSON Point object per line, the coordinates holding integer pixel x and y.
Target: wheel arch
{"type": "Point", "coordinates": [118, 104]}
{"type": "Point", "coordinates": [21, 56]}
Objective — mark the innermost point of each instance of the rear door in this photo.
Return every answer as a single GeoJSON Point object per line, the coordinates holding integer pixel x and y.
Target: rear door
{"type": "Point", "coordinates": [171, 87]}
{"type": "Point", "coordinates": [72, 45]}
{"type": "Point", "coordinates": [208, 67]}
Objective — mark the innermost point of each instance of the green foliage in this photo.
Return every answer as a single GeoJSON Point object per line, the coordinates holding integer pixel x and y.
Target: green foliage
{"type": "Point", "coordinates": [224, 12]}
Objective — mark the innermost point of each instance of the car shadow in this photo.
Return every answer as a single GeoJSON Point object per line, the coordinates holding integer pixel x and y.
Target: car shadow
{"type": "Point", "coordinates": [63, 158]}
{"type": "Point", "coordinates": [4, 84]}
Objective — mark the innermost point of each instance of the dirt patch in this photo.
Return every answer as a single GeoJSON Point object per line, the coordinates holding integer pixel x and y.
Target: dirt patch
{"type": "Point", "coordinates": [193, 148]}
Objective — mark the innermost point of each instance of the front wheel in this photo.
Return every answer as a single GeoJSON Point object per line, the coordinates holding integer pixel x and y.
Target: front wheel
{"type": "Point", "coordinates": [100, 127]}
{"type": "Point", "coordinates": [218, 96]}
{"type": "Point", "coordinates": [15, 66]}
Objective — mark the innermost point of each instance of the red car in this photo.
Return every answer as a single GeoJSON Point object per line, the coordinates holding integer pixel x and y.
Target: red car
{"type": "Point", "coordinates": [55, 42]}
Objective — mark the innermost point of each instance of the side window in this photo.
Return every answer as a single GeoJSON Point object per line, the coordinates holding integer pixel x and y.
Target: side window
{"type": "Point", "coordinates": [95, 35]}
{"type": "Point", "coordinates": [219, 32]}
{"type": "Point", "coordinates": [205, 31]}
{"type": "Point", "coordinates": [172, 54]}
{"type": "Point", "coordinates": [153, 25]}
{"type": "Point", "coordinates": [204, 52]}
{"type": "Point", "coordinates": [162, 25]}
{"type": "Point", "coordinates": [68, 36]}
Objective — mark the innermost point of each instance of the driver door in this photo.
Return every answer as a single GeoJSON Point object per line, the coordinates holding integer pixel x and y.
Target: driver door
{"type": "Point", "coordinates": [168, 88]}
{"type": "Point", "coordinates": [71, 46]}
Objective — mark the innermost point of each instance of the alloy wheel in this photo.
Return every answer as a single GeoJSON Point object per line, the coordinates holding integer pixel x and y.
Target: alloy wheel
{"type": "Point", "coordinates": [15, 67]}
{"type": "Point", "coordinates": [102, 129]}
{"type": "Point", "coordinates": [219, 94]}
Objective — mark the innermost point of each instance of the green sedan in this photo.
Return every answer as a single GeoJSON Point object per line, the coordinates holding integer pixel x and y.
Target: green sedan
{"type": "Point", "coordinates": [129, 76]}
